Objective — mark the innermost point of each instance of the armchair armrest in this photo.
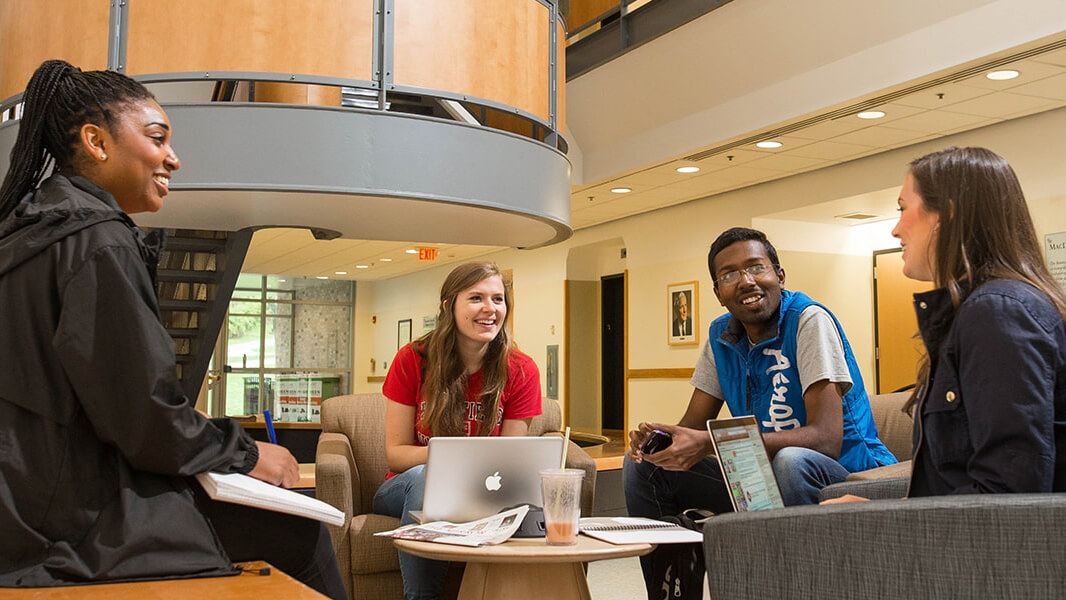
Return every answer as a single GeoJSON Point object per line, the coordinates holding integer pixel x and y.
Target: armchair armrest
{"type": "Point", "coordinates": [1001, 545]}
{"type": "Point", "coordinates": [874, 489]}
{"type": "Point", "coordinates": [335, 474]}
{"type": "Point", "coordinates": [338, 487]}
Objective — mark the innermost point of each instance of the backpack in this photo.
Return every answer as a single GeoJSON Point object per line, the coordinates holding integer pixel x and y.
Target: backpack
{"type": "Point", "coordinates": [677, 570]}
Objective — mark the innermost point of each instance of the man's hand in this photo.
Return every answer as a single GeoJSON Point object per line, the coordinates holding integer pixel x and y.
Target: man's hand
{"type": "Point", "coordinates": [276, 465]}
{"type": "Point", "coordinates": [689, 447]}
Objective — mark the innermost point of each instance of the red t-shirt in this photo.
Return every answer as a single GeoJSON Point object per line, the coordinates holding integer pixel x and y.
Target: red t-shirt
{"type": "Point", "coordinates": [520, 399]}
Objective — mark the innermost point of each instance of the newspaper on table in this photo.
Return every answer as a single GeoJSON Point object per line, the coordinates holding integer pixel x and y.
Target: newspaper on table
{"type": "Point", "coordinates": [490, 530]}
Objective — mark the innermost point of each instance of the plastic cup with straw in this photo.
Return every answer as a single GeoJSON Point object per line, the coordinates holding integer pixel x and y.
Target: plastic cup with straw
{"type": "Point", "coordinates": [561, 489]}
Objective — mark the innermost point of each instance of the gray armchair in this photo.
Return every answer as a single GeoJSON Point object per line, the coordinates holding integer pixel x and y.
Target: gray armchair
{"type": "Point", "coordinates": [978, 546]}
{"type": "Point", "coordinates": [973, 546]}
{"type": "Point", "coordinates": [349, 468]}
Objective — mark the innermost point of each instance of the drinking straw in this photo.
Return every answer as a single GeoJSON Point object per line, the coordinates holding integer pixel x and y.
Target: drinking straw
{"type": "Point", "coordinates": [566, 446]}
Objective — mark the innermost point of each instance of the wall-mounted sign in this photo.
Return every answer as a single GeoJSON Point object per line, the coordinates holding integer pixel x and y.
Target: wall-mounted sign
{"type": "Point", "coordinates": [427, 254]}
{"type": "Point", "coordinates": [1055, 252]}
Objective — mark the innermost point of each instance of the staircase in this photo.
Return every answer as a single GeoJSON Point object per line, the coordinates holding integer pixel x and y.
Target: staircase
{"type": "Point", "coordinates": [194, 282]}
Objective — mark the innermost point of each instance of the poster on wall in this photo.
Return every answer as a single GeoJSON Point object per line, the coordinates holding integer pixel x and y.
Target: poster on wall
{"type": "Point", "coordinates": [682, 313]}
{"type": "Point", "coordinates": [1055, 253]}
{"type": "Point", "coordinates": [429, 324]}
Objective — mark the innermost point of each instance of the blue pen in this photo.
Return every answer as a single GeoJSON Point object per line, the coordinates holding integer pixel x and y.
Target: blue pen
{"type": "Point", "coordinates": [270, 427]}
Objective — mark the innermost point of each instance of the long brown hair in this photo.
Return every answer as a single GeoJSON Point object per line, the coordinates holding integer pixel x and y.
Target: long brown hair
{"type": "Point", "coordinates": [444, 378]}
{"type": "Point", "coordinates": [985, 229]}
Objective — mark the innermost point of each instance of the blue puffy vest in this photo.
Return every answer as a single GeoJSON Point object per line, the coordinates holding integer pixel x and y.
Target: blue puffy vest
{"type": "Point", "coordinates": [764, 381]}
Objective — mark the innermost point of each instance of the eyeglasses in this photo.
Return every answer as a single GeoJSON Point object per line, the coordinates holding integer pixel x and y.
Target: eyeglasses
{"type": "Point", "coordinates": [731, 277]}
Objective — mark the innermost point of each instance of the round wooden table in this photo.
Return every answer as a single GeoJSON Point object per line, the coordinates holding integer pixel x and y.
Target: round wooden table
{"type": "Point", "coordinates": [524, 568]}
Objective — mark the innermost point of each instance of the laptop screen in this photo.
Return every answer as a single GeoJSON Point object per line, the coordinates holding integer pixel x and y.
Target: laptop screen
{"type": "Point", "coordinates": [469, 478]}
{"type": "Point", "coordinates": [745, 465]}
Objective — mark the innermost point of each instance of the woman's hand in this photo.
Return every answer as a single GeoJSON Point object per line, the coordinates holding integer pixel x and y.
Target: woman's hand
{"type": "Point", "coordinates": [276, 465]}
{"type": "Point", "coordinates": [845, 499]}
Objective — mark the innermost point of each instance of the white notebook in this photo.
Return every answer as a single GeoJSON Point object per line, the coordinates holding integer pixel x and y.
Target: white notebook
{"type": "Point", "coordinates": [249, 491]}
{"type": "Point", "coordinates": [637, 530]}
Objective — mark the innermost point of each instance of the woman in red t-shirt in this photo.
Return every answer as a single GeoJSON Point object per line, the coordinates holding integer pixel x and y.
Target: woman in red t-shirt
{"type": "Point", "coordinates": [463, 378]}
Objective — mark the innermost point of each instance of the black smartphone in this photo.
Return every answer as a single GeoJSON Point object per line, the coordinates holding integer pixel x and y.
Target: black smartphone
{"type": "Point", "coordinates": [656, 441]}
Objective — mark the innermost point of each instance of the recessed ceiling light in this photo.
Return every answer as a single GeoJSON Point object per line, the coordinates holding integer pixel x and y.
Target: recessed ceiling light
{"type": "Point", "coordinates": [871, 114]}
{"type": "Point", "coordinates": [322, 277]}
{"type": "Point", "coordinates": [621, 190]}
{"type": "Point", "coordinates": [687, 169]}
{"type": "Point", "coordinates": [340, 272]}
{"type": "Point", "coordinates": [769, 144]}
{"type": "Point", "coordinates": [1002, 75]}
{"type": "Point", "coordinates": [362, 266]}
{"type": "Point", "coordinates": [385, 259]}
{"type": "Point", "coordinates": [411, 251]}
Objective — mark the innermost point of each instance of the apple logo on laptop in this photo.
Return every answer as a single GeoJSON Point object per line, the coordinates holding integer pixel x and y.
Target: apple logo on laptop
{"type": "Point", "coordinates": [492, 482]}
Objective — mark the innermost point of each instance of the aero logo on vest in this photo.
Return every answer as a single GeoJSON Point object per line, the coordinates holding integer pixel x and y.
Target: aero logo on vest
{"type": "Point", "coordinates": [780, 411]}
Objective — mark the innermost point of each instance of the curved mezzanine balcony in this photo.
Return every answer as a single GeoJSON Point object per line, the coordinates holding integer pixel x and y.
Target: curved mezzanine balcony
{"type": "Point", "coordinates": [368, 119]}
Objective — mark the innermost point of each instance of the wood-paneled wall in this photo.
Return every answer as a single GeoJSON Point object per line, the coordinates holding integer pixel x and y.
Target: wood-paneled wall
{"type": "Point", "coordinates": [583, 11]}
{"type": "Point", "coordinates": [332, 38]}
{"type": "Point", "coordinates": [491, 49]}
{"type": "Point", "coordinates": [485, 48]}
{"type": "Point", "coordinates": [33, 32]}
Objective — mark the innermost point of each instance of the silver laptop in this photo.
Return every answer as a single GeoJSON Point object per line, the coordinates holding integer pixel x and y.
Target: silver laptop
{"type": "Point", "coordinates": [469, 478]}
{"type": "Point", "coordinates": [746, 466]}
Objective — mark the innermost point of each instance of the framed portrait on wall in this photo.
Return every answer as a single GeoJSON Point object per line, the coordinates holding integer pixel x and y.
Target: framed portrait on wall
{"type": "Point", "coordinates": [403, 333]}
{"type": "Point", "coordinates": [683, 313]}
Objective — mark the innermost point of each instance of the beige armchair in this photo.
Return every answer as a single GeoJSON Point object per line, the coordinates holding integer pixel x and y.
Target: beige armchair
{"type": "Point", "coordinates": [895, 428]}
{"type": "Point", "coordinates": [349, 468]}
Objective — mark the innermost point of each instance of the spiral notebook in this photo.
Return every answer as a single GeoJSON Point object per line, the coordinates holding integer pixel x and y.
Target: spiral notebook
{"type": "Point", "coordinates": [637, 530]}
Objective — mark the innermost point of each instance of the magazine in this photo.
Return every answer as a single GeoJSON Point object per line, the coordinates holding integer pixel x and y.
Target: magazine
{"type": "Point", "coordinates": [490, 530]}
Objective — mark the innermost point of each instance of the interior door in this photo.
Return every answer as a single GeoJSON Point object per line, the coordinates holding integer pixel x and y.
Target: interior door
{"type": "Point", "coordinates": [898, 348]}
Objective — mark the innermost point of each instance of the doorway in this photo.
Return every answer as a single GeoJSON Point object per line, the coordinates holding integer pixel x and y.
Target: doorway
{"type": "Point", "coordinates": [612, 351]}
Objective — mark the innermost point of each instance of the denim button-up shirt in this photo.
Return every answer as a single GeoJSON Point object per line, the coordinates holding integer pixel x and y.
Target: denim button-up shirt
{"type": "Point", "coordinates": [992, 418]}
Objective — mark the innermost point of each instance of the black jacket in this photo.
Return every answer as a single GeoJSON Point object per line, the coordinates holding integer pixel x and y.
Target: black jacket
{"type": "Point", "coordinates": [96, 437]}
{"type": "Point", "coordinates": [993, 416]}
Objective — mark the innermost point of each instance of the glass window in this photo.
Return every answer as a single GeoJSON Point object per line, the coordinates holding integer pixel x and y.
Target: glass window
{"type": "Point", "coordinates": [277, 347]}
{"type": "Point", "coordinates": [293, 334]}
{"type": "Point", "coordinates": [250, 280]}
{"type": "Point", "coordinates": [242, 349]}
{"type": "Point", "coordinates": [236, 307]}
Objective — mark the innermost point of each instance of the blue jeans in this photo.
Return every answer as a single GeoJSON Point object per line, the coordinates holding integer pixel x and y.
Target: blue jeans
{"type": "Point", "coordinates": [422, 577]}
{"type": "Point", "coordinates": [802, 473]}
{"type": "Point", "coordinates": [656, 493]}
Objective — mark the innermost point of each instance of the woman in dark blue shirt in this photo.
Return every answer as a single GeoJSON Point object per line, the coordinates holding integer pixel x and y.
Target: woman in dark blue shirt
{"type": "Point", "coordinates": [990, 404]}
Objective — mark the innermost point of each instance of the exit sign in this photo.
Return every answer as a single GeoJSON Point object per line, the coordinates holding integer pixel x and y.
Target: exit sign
{"type": "Point", "coordinates": [427, 254]}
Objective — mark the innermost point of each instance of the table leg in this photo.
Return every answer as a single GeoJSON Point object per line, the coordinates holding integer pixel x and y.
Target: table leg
{"type": "Point", "coordinates": [514, 581]}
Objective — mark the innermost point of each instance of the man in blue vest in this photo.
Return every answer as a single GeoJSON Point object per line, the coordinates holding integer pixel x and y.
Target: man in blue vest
{"type": "Point", "coordinates": [777, 355]}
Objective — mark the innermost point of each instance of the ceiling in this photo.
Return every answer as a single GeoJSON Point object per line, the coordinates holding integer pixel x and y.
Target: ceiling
{"type": "Point", "coordinates": [296, 252]}
{"type": "Point", "coordinates": [615, 144]}
{"type": "Point", "coordinates": [831, 138]}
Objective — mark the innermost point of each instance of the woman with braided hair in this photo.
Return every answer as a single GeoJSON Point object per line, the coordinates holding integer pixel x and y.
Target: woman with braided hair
{"type": "Point", "coordinates": [97, 441]}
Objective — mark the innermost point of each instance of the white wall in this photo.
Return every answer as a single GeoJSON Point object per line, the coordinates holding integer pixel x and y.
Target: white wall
{"type": "Point", "coordinates": [833, 272]}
